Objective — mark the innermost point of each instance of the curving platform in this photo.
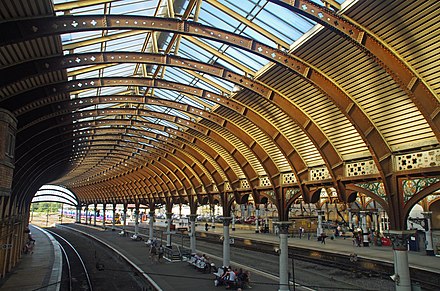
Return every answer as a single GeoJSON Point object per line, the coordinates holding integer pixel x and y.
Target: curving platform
{"type": "Point", "coordinates": [40, 270]}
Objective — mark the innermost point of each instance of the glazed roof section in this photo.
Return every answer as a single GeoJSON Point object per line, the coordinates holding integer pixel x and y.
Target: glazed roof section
{"type": "Point", "coordinates": [261, 20]}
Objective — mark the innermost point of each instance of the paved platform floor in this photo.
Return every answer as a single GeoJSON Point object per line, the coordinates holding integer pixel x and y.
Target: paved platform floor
{"type": "Point", "coordinates": [39, 270]}
{"type": "Point", "coordinates": [34, 270]}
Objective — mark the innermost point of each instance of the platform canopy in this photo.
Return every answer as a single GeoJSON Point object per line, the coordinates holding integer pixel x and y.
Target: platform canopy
{"type": "Point", "coordinates": [203, 101]}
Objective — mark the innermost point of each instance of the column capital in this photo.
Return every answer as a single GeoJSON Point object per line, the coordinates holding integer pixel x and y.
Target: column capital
{"type": "Point", "coordinates": [151, 212]}
{"type": "Point", "coordinates": [169, 215]}
{"type": "Point", "coordinates": [399, 238]}
{"type": "Point", "coordinates": [320, 212]}
{"type": "Point", "coordinates": [284, 226]}
{"type": "Point", "coordinates": [227, 221]}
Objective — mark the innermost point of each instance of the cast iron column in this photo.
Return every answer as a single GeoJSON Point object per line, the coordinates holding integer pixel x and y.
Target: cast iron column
{"type": "Point", "coordinates": [169, 221]}
{"type": "Point", "coordinates": [319, 229]}
{"type": "Point", "coordinates": [350, 219]}
{"type": "Point", "coordinates": [284, 255]}
{"type": "Point", "coordinates": [136, 222]}
{"type": "Point", "coordinates": [399, 239]}
{"type": "Point", "coordinates": [125, 219]}
{"type": "Point", "coordinates": [226, 246]}
{"type": "Point", "coordinates": [103, 215]}
{"type": "Point", "coordinates": [151, 225]}
{"type": "Point", "coordinates": [94, 216]}
{"type": "Point", "coordinates": [114, 217]}
{"type": "Point", "coordinates": [192, 233]}
{"type": "Point", "coordinates": [363, 216]}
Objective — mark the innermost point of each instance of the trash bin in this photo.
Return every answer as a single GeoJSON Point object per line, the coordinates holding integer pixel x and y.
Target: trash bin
{"type": "Point", "coordinates": [413, 243]}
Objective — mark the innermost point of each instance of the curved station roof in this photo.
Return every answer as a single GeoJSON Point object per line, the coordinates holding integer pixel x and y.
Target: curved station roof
{"type": "Point", "coordinates": [205, 101]}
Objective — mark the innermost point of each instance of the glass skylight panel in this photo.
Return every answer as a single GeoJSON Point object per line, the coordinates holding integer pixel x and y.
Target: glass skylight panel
{"type": "Point", "coordinates": [179, 113]}
{"type": "Point", "coordinates": [130, 6]}
{"type": "Point", "coordinates": [251, 60]}
{"type": "Point", "coordinates": [191, 102]}
{"type": "Point", "coordinates": [87, 93]}
{"type": "Point", "coordinates": [282, 17]}
{"type": "Point", "coordinates": [222, 63]}
{"type": "Point", "coordinates": [88, 48]}
{"type": "Point", "coordinates": [89, 10]}
{"type": "Point", "coordinates": [178, 75]}
{"type": "Point", "coordinates": [224, 83]}
{"type": "Point", "coordinates": [92, 74]}
{"type": "Point", "coordinates": [190, 51]}
{"type": "Point", "coordinates": [167, 94]}
{"type": "Point", "coordinates": [160, 132]}
{"type": "Point", "coordinates": [149, 119]}
{"type": "Point", "coordinates": [112, 90]}
{"type": "Point", "coordinates": [157, 108]}
{"type": "Point", "coordinates": [169, 124]}
{"type": "Point", "coordinates": [214, 17]}
{"type": "Point", "coordinates": [83, 35]}
{"type": "Point", "coordinates": [129, 43]}
{"type": "Point", "coordinates": [118, 70]}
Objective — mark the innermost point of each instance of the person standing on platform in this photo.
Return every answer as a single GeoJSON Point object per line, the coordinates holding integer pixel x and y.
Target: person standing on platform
{"type": "Point", "coordinates": [323, 236]}
{"type": "Point", "coordinates": [206, 226]}
{"type": "Point", "coordinates": [301, 232]}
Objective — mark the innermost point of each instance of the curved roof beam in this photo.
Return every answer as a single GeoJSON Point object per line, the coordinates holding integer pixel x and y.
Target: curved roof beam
{"type": "Point", "coordinates": [172, 148]}
{"type": "Point", "coordinates": [330, 156]}
{"type": "Point", "coordinates": [45, 158]}
{"type": "Point", "coordinates": [192, 171]}
{"type": "Point", "coordinates": [204, 131]}
{"type": "Point", "coordinates": [380, 150]}
{"type": "Point", "coordinates": [408, 79]}
{"type": "Point", "coordinates": [187, 142]}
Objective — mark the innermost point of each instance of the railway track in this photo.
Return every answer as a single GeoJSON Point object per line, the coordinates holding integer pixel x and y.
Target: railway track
{"type": "Point", "coordinates": [78, 277]}
{"type": "Point", "coordinates": [103, 268]}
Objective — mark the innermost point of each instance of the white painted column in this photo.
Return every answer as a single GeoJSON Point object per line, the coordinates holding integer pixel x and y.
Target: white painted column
{"type": "Point", "coordinates": [399, 239]}
{"type": "Point", "coordinates": [363, 222]}
{"type": "Point", "coordinates": [192, 233]}
{"type": "Point", "coordinates": [151, 226]}
{"type": "Point", "coordinates": [169, 221]}
{"type": "Point", "coordinates": [226, 246]}
{"type": "Point", "coordinates": [233, 219]}
{"type": "Point", "coordinates": [213, 217]}
{"type": "Point", "coordinates": [94, 216]}
{"type": "Point", "coordinates": [124, 225]}
{"type": "Point", "coordinates": [350, 219]}
{"type": "Point", "coordinates": [257, 222]}
{"type": "Point", "coordinates": [103, 215]}
{"type": "Point", "coordinates": [85, 212]}
{"type": "Point", "coordinates": [114, 217]}
{"type": "Point", "coordinates": [284, 255]}
{"type": "Point", "coordinates": [136, 221]}
{"type": "Point", "coordinates": [78, 215]}
{"type": "Point", "coordinates": [319, 229]}
{"type": "Point", "coordinates": [428, 233]}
